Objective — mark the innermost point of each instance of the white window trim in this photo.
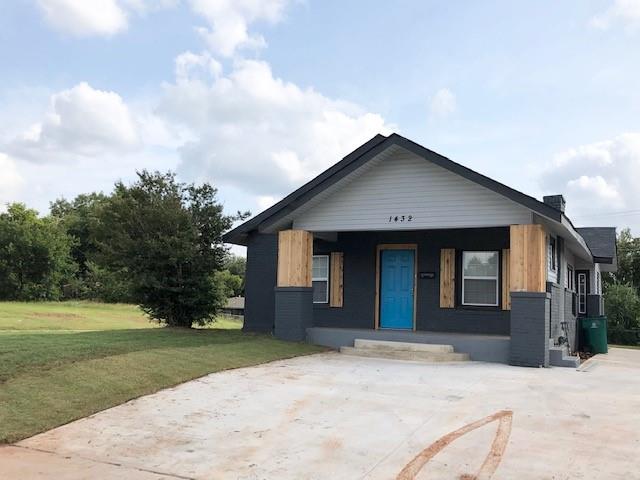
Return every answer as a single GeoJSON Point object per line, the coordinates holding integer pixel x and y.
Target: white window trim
{"type": "Point", "coordinates": [552, 257]}
{"type": "Point", "coordinates": [476, 277]}
{"type": "Point", "coordinates": [553, 254]}
{"type": "Point", "coordinates": [322, 279]}
{"type": "Point", "coordinates": [571, 278]}
{"type": "Point", "coordinates": [583, 310]}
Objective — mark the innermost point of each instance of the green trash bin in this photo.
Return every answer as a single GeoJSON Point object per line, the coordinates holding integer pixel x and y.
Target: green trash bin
{"type": "Point", "coordinates": [594, 334]}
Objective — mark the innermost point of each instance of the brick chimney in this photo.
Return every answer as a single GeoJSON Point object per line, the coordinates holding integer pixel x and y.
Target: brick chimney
{"type": "Point", "coordinates": [555, 201]}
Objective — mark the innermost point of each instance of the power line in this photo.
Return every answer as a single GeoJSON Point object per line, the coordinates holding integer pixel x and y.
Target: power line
{"type": "Point", "coordinates": [610, 214]}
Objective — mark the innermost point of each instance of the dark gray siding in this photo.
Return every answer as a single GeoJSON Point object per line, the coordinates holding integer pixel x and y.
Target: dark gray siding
{"type": "Point", "coordinates": [557, 311]}
{"type": "Point", "coordinates": [359, 280]}
{"type": "Point", "coordinates": [570, 318]}
{"type": "Point", "coordinates": [262, 265]}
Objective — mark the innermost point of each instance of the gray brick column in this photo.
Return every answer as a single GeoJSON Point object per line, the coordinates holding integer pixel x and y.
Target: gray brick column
{"type": "Point", "coordinates": [530, 329]}
{"type": "Point", "coordinates": [293, 312]}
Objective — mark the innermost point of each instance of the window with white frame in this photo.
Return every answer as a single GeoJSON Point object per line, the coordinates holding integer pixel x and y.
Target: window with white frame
{"type": "Point", "coordinates": [570, 278]}
{"type": "Point", "coordinates": [320, 278]}
{"type": "Point", "coordinates": [480, 278]}
{"type": "Point", "coordinates": [582, 292]}
{"type": "Point", "coordinates": [552, 252]}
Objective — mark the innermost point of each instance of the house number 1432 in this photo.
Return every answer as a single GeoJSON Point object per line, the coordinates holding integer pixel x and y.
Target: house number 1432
{"type": "Point", "coordinates": [400, 218]}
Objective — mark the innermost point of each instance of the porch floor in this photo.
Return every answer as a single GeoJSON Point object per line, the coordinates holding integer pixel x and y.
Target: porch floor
{"type": "Point", "coordinates": [483, 348]}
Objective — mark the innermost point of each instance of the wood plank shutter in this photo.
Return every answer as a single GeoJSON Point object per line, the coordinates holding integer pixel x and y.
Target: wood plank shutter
{"type": "Point", "coordinates": [336, 278]}
{"type": "Point", "coordinates": [506, 294]}
{"type": "Point", "coordinates": [447, 278]}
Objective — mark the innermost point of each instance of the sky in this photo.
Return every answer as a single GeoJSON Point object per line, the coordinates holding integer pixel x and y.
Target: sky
{"type": "Point", "coordinates": [259, 96]}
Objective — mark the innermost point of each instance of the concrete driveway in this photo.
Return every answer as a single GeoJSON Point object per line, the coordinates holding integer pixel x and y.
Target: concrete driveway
{"type": "Point", "coordinates": [338, 417]}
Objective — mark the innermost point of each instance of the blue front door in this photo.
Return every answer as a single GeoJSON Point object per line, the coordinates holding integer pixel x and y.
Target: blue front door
{"type": "Point", "coordinates": [396, 288]}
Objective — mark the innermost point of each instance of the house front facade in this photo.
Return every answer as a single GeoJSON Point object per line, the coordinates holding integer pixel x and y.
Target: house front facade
{"type": "Point", "coordinates": [397, 242]}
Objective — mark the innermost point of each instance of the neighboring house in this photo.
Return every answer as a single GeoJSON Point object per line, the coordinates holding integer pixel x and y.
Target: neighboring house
{"type": "Point", "coordinates": [398, 242]}
{"type": "Point", "coordinates": [234, 306]}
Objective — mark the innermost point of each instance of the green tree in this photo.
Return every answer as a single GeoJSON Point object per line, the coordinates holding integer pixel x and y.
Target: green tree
{"type": "Point", "coordinates": [622, 306]}
{"type": "Point", "coordinates": [35, 258]}
{"type": "Point", "coordinates": [168, 237]}
{"type": "Point", "coordinates": [237, 265]}
{"type": "Point", "coordinates": [628, 260]}
{"type": "Point", "coordinates": [230, 283]}
{"type": "Point", "coordinates": [78, 218]}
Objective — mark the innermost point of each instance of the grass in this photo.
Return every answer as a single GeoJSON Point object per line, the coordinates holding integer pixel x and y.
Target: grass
{"type": "Point", "coordinates": [71, 316]}
{"type": "Point", "coordinates": [61, 362]}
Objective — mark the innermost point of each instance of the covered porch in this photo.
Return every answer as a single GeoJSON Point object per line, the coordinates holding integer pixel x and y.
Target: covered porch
{"type": "Point", "coordinates": [333, 287]}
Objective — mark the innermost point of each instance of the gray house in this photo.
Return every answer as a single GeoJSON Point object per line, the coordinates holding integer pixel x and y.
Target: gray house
{"type": "Point", "coordinates": [396, 242]}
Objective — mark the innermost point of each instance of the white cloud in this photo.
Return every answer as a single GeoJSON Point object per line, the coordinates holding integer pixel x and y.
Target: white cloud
{"type": "Point", "coordinates": [265, 201]}
{"type": "Point", "coordinates": [145, 6]}
{"type": "Point", "coordinates": [85, 141]}
{"type": "Point", "coordinates": [229, 22]}
{"type": "Point", "coordinates": [597, 179]}
{"type": "Point", "coordinates": [443, 103]}
{"type": "Point", "coordinates": [258, 133]}
{"type": "Point", "coordinates": [189, 64]}
{"type": "Point", "coordinates": [82, 17]}
{"type": "Point", "coordinates": [623, 11]}
{"type": "Point", "coordinates": [80, 121]}
{"type": "Point", "coordinates": [11, 182]}
{"type": "Point", "coordinates": [96, 17]}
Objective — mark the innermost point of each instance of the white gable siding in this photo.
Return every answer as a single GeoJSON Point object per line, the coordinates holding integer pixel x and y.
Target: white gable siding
{"type": "Point", "coordinates": [405, 184]}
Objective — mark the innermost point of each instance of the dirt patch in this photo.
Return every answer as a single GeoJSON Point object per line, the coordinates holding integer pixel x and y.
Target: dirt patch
{"type": "Point", "coordinates": [63, 316]}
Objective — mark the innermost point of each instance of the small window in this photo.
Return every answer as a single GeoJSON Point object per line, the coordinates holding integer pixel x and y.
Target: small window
{"type": "Point", "coordinates": [320, 278]}
{"type": "Point", "coordinates": [480, 278]}
{"type": "Point", "coordinates": [552, 252]}
{"type": "Point", "coordinates": [570, 279]}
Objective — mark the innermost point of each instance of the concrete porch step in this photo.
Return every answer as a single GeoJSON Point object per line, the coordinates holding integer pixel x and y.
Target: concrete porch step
{"type": "Point", "coordinates": [414, 355]}
{"type": "Point", "coordinates": [404, 346]}
{"type": "Point", "coordinates": [560, 357]}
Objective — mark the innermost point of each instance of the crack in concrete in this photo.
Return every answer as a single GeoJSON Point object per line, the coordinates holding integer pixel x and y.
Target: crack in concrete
{"type": "Point", "coordinates": [105, 462]}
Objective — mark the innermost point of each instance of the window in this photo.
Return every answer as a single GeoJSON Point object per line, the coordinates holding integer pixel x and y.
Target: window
{"type": "Point", "coordinates": [582, 293]}
{"type": "Point", "coordinates": [480, 278]}
{"type": "Point", "coordinates": [553, 262]}
{"type": "Point", "coordinates": [571, 285]}
{"type": "Point", "coordinates": [320, 278]}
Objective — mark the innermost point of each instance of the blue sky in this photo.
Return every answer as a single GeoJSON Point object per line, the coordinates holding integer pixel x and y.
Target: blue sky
{"type": "Point", "coordinates": [259, 96]}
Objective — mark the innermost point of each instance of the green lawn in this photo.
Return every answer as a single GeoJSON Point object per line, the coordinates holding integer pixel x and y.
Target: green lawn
{"type": "Point", "coordinates": [60, 362]}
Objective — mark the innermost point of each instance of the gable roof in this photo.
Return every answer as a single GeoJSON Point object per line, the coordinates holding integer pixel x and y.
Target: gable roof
{"type": "Point", "coordinates": [601, 241]}
{"type": "Point", "coordinates": [361, 156]}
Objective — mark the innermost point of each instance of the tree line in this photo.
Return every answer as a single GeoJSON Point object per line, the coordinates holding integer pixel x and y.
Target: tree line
{"type": "Point", "coordinates": [156, 242]}
{"type": "Point", "coordinates": [622, 292]}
